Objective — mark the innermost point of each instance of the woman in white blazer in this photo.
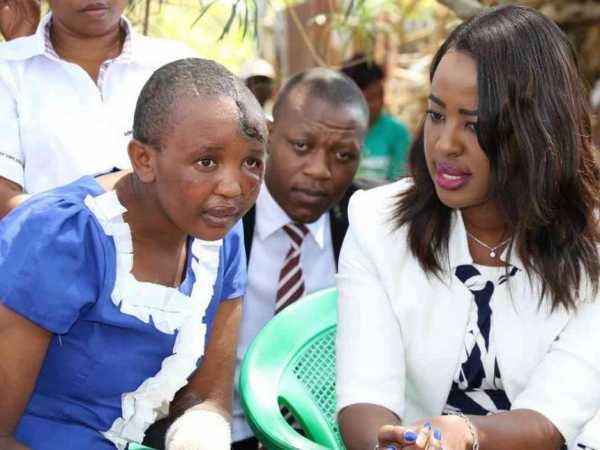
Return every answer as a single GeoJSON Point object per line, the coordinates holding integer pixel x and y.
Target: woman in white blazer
{"type": "Point", "coordinates": [468, 312]}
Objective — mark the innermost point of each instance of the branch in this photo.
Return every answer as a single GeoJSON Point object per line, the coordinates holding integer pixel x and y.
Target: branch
{"type": "Point", "coordinates": [311, 49]}
{"type": "Point", "coordinates": [465, 9]}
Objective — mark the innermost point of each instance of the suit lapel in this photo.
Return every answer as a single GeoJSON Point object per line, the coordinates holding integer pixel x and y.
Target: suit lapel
{"type": "Point", "coordinates": [249, 221]}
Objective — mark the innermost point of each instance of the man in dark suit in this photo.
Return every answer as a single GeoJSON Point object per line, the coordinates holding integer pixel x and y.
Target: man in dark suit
{"type": "Point", "coordinates": [295, 232]}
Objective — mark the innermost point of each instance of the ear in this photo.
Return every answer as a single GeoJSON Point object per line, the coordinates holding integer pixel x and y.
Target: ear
{"type": "Point", "coordinates": [143, 160]}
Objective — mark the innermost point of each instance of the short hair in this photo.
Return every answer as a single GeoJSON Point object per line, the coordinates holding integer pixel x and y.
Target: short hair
{"type": "Point", "coordinates": [327, 85]}
{"type": "Point", "coordinates": [534, 126]}
{"type": "Point", "coordinates": [188, 78]}
{"type": "Point", "coordinates": [362, 71]}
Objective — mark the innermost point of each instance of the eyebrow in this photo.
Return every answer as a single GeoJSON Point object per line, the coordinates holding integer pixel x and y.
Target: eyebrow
{"type": "Point", "coordinates": [466, 112]}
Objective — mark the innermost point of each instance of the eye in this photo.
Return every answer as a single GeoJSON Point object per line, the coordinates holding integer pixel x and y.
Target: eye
{"type": "Point", "coordinates": [345, 155]}
{"type": "Point", "coordinates": [435, 116]}
{"type": "Point", "coordinates": [299, 146]}
{"type": "Point", "coordinates": [253, 163]}
{"type": "Point", "coordinates": [206, 163]}
{"type": "Point", "coordinates": [472, 126]}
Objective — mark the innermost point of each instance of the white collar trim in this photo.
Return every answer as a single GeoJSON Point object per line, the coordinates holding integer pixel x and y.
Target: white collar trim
{"type": "Point", "coordinates": [170, 311]}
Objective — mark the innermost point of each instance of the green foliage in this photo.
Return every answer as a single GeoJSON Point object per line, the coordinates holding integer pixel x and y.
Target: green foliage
{"type": "Point", "coordinates": [208, 28]}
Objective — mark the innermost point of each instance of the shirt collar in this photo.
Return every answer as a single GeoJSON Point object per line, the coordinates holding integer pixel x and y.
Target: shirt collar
{"type": "Point", "coordinates": [458, 245]}
{"type": "Point", "coordinates": [43, 32]}
{"type": "Point", "coordinates": [270, 217]}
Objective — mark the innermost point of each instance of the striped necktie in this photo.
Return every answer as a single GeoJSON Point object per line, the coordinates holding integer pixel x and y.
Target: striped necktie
{"type": "Point", "coordinates": [291, 280]}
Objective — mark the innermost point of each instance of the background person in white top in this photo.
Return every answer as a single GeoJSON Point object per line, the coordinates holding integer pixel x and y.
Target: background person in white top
{"type": "Point", "coordinates": [320, 120]}
{"type": "Point", "coordinates": [68, 94]}
{"type": "Point", "coordinates": [473, 287]}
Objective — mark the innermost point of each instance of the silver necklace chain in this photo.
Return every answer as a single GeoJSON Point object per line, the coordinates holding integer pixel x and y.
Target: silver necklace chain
{"type": "Point", "coordinates": [491, 249]}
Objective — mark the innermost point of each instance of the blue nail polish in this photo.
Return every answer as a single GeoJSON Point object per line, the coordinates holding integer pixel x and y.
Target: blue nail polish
{"type": "Point", "coordinates": [437, 434]}
{"type": "Point", "coordinates": [391, 447]}
{"type": "Point", "coordinates": [410, 436]}
{"type": "Point", "coordinates": [427, 426]}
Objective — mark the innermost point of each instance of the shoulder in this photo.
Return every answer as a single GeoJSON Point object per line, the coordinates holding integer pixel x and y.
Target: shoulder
{"type": "Point", "coordinates": [21, 49]}
{"type": "Point", "coordinates": [58, 211]}
{"type": "Point", "coordinates": [392, 122]}
{"type": "Point", "coordinates": [157, 52]}
{"type": "Point", "coordinates": [377, 202]}
{"type": "Point", "coordinates": [371, 217]}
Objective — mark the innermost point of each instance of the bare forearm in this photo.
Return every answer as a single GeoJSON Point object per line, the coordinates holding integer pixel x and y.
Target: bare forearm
{"type": "Point", "coordinates": [360, 423]}
{"type": "Point", "coordinates": [518, 430]}
{"type": "Point", "coordinates": [212, 384]}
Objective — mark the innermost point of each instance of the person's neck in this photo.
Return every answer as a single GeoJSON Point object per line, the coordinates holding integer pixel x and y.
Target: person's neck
{"type": "Point", "coordinates": [144, 216]}
{"type": "Point", "coordinates": [485, 222]}
{"type": "Point", "coordinates": [89, 52]}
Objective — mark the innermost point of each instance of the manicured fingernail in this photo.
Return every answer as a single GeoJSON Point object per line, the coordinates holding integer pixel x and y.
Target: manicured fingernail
{"type": "Point", "coordinates": [391, 447]}
{"type": "Point", "coordinates": [410, 436]}
{"type": "Point", "coordinates": [427, 426]}
{"type": "Point", "coordinates": [437, 434]}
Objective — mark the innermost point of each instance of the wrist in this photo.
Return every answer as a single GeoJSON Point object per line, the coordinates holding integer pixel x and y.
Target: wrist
{"type": "Point", "coordinates": [470, 431]}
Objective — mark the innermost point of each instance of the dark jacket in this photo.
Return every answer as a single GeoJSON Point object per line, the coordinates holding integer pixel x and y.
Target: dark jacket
{"type": "Point", "coordinates": [338, 219]}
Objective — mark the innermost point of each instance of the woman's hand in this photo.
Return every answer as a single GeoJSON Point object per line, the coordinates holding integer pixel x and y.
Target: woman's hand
{"type": "Point", "coordinates": [418, 437]}
{"type": "Point", "coordinates": [19, 18]}
{"type": "Point", "coordinates": [445, 432]}
{"type": "Point", "coordinates": [9, 443]}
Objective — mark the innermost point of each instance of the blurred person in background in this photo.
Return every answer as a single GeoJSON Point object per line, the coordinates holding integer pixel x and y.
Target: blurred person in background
{"type": "Point", "coordinates": [386, 145]}
{"type": "Point", "coordinates": [259, 76]}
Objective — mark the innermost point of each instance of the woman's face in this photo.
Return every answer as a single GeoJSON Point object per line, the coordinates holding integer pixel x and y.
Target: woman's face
{"type": "Point", "coordinates": [207, 173]}
{"type": "Point", "coordinates": [456, 162]}
{"type": "Point", "coordinates": [88, 17]}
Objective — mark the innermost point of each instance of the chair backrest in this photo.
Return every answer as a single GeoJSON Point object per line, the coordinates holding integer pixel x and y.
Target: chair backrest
{"type": "Point", "coordinates": [291, 363]}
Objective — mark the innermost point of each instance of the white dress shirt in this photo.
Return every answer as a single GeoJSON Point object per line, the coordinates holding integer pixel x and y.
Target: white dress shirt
{"type": "Point", "coordinates": [269, 247]}
{"type": "Point", "coordinates": [400, 331]}
{"type": "Point", "coordinates": [56, 123]}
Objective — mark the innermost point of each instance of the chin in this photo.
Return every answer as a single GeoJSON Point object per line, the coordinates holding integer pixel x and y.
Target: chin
{"type": "Point", "coordinates": [453, 200]}
{"type": "Point", "coordinates": [212, 235]}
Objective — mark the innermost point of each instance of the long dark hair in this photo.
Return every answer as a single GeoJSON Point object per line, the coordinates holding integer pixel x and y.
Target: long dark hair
{"type": "Point", "coordinates": [534, 126]}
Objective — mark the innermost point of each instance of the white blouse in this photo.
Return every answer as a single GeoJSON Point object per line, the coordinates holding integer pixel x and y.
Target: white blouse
{"type": "Point", "coordinates": [401, 331]}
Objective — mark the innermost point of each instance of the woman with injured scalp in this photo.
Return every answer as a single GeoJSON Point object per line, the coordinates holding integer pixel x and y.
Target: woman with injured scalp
{"type": "Point", "coordinates": [115, 289]}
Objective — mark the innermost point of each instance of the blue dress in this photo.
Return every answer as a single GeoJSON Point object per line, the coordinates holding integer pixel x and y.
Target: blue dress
{"type": "Point", "coordinates": [120, 348]}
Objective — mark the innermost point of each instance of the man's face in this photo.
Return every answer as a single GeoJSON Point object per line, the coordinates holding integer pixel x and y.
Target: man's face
{"type": "Point", "coordinates": [374, 95]}
{"type": "Point", "coordinates": [314, 151]}
{"type": "Point", "coordinates": [88, 17]}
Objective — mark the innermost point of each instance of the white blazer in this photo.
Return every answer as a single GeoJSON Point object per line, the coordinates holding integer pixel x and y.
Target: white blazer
{"type": "Point", "coordinates": [400, 331]}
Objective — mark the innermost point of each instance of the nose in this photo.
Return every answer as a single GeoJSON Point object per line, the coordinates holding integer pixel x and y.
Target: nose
{"type": "Point", "coordinates": [317, 165]}
{"type": "Point", "coordinates": [229, 184]}
{"type": "Point", "coordinates": [449, 142]}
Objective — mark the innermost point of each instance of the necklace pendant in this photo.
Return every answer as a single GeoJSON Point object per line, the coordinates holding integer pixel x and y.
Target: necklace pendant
{"type": "Point", "coordinates": [493, 254]}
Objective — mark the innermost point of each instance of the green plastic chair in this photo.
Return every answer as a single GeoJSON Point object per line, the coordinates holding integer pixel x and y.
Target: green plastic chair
{"type": "Point", "coordinates": [291, 363]}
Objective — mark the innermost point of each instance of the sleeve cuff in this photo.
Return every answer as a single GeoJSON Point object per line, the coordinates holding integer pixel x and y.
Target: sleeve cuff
{"type": "Point", "coordinates": [12, 168]}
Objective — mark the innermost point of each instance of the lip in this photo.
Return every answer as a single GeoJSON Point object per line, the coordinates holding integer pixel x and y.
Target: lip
{"type": "Point", "coordinates": [95, 9]}
{"type": "Point", "coordinates": [450, 177]}
{"type": "Point", "coordinates": [221, 216]}
{"type": "Point", "coordinates": [309, 196]}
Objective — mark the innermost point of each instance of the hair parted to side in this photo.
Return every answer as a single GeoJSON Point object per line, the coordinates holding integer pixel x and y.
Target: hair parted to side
{"type": "Point", "coordinates": [328, 85]}
{"type": "Point", "coordinates": [534, 126]}
{"type": "Point", "coordinates": [187, 79]}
